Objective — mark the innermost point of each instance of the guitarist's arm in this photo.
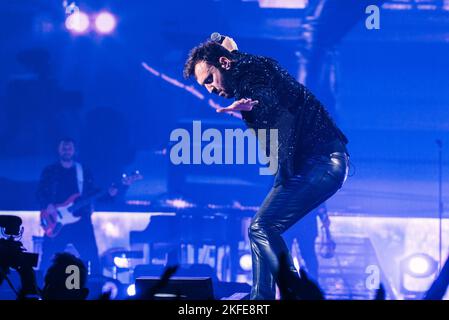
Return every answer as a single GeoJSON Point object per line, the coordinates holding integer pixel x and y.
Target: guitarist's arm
{"type": "Point", "coordinates": [115, 190]}
{"type": "Point", "coordinates": [92, 192]}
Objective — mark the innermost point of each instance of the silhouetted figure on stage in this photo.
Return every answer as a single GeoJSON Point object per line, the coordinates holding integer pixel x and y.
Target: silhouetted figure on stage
{"type": "Point", "coordinates": [305, 232]}
{"type": "Point", "coordinates": [311, 154]}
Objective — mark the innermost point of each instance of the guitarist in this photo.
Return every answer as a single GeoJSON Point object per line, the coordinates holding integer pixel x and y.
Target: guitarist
{"type": "Point", "coordinates": [57, 183]}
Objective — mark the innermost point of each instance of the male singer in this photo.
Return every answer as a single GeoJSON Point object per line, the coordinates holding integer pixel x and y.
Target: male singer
{"type": "Point", "coordinates": [312, 155]}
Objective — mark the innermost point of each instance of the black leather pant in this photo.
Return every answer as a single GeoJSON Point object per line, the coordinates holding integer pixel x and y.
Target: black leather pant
{"type": "Point", "coordinates": [317, 180]}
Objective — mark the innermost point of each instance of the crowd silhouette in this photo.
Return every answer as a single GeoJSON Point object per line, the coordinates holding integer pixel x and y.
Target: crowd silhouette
{"type": "Point", "coordinates": [58, 284]}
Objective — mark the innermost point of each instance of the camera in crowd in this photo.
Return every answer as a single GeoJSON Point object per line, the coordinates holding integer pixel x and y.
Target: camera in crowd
{"type": "Point", "coordinates": [12, 253]}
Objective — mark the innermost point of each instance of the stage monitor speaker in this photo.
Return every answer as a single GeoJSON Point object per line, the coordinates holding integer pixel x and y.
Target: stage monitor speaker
{"type": "Point", "coordinates": [177, 288]}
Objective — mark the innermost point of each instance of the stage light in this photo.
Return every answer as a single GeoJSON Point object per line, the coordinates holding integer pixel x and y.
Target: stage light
{"type": "Point", "coordinates": [246, 262]}
{"type": "Point", "coordinates": [105, 22]}
{"type": "Point", "coordinates": [131, 290]}
{"type": "Point", "coordinates": [296, 263]}
{"type": "Point", "coordinates": [420, 265]}
{"type": "Point", "coordinates": [78, 22]}
{"type": "Point", "coordinates": [121, 262]}
{"type": "Point", "coordinates": [282, 4]}
{"type": "Point", "coordinates": [179, 203]}
{"type": "Point", "coordinates": [417, 274]}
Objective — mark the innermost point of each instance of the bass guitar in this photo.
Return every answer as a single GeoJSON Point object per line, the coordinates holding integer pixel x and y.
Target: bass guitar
{"type": "Point", "coordinates": [52, 221]}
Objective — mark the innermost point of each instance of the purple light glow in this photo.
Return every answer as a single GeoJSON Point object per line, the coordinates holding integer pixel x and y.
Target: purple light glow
{"type": "Point", "coordinates": [419, 265]}
{"type": "Point", "coordinates": [179, 203]}
{"type": "Point", "coordinates": [77, 22]}
{"type": "Point", "coordinates": [105, 22]}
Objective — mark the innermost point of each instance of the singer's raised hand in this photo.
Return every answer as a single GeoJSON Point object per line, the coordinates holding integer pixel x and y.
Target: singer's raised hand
{"type": "Point", "coordinates": [225, 41]}
{"type": "Point", "coordinates": [229, 44]}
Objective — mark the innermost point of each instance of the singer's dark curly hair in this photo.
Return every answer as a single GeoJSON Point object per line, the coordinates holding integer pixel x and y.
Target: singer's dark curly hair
{"type": "Point", "coordinates": [209, 52]}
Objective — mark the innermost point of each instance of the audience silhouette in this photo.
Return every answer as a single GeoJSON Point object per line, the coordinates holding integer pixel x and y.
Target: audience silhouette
{"type": "Point", "coordinates": [58, 284]}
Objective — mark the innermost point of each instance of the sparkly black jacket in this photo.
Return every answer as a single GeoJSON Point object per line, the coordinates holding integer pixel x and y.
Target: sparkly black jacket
{"type": "Point", "coordinates": [304, 126]}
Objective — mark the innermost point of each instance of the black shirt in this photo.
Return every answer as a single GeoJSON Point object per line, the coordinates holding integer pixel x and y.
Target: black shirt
{"type": "Point", "coordinates": [57, 184]}
{"type": "Point", "coordinates": [304, 125]}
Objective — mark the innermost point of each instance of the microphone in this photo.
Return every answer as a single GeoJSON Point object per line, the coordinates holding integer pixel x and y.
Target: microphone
{"type": "Point", "coordinates": [229, 44]}
{"type": "Point", "coordinates": [216, 37]}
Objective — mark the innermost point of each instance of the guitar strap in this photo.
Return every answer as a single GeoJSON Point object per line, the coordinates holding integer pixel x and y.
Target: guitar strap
{"type": "Point", "coordinates": [79, 176]}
